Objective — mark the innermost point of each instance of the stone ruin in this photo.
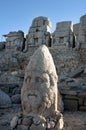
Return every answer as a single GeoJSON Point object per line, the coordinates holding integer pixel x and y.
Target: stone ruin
{"type": "Point", "coordinates": [15, 41]}
{"type": "Point", "coordinates": [63, 34]}
{"type": "Point", "coordinates": [39, 32]}
{"type": "Point", "coordinates": [66, 34]}
{"type": "Point", "coordinates": [70, 63]}
{"type": "Point", "coordinates": [39, 94]}
{"type": "Point", "coordinates": [80, 31]}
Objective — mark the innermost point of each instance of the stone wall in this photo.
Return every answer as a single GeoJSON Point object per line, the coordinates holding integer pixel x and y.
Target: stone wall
{"type": "Point", "coordinates": [63, 33]}
{"type": "Point", "coordinates": [39, 32]}
{"type": "Point", "coordinates": [14, 41]}
{"type": "Point", "coordinates": [80, 32]}
{"type": "Point", "coordinates": [71, 70]}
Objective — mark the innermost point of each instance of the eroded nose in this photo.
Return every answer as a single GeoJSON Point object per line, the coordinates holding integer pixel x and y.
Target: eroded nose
{"type": "Point", "coordinates": [32, 83]}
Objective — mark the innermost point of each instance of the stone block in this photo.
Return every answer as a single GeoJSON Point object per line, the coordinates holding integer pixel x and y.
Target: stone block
{"type": "Point", "coordinates": [80, 101]}
{"type": "Point", "coordinates": [22, 127]}
{"type": "Point", "coordinates": [16, 99]}
{"type": "Point", "coordinates": [71, 105]}
{"type": "Point", "coordinates": [82, 108]}
{"type": "Point", "coordinates": [85, 102]}
{"type": "Point", "coordinates": [38, 127]}
{"type": "Point", "coordinates": [71, 97]}
{"type": "Point", "coordinates": [83, 45]}
{"type": "Point", "coordinates": [76, 72]}
{"type": "Point", "coordinates": [67, 92]}
{"type": "Point", "coordinates": [5, 101]}
{"type": "Point", "coordinates": [82, 94]}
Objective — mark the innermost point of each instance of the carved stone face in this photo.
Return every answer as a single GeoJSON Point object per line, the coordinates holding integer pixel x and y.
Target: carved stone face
{"type": "Point", "coordinates": [39, 92]}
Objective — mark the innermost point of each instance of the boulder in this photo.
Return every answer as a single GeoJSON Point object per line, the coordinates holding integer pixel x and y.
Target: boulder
{"type": "Point", "coordinates": [5, 100]}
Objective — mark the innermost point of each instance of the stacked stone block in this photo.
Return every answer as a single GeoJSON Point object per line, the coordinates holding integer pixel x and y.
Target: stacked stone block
{"type": "Point", "coordinates": [15, 41]}
{"type": "Point", "coordinates": [39, 32]}
{"type": "Point", "coordinates": [80, 33]}
{"type": "Point", "coordinates": [63, 33]}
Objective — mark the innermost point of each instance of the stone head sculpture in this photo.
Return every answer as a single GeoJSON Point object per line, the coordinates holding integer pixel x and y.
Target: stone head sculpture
{"type": "Point", "coordinates": [39, 91]}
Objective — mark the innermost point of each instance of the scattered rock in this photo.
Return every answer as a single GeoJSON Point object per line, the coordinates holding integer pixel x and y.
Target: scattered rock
{"type": "Point", "coordinates": [76, 73]}
{"type": "Point", "coordinates": [16, 98]}
{"type": "Point", "coordinates": [5, 100]}
{"type": "Point", "coordinates": [37, 127]}
{"type": "Point", "coordinates": [14, 122]}
{"type": "Point", "coordinates": [22, 127]}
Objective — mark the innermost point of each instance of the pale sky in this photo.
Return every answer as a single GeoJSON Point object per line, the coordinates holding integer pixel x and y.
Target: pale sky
{"type": "Point", "coordinates": [18, 14]}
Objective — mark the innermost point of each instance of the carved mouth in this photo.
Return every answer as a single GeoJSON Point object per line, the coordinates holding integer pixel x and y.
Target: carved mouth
{"type": "Point", "coordinates": [32, 95]}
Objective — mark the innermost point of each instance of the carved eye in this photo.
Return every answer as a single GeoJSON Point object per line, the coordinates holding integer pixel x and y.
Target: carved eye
{"type": "Point", "coordinates": [39, 80]}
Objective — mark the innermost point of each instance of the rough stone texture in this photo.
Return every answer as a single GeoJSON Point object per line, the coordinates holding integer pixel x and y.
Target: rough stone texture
{"type": "Point", "coordinates": [76, 33]}
{"type": "Point", "coordinates": [39, 32]}
{"type": "Point", "coordinates": [14, 122]}
{"type": "Point", "coordinates": [82, 30]}
{"type": "Point", "coordinates": [39, 92]}
{"type": "Point", "coordinates": [5, 100]}
{"type": "Point", "coordinates": [38, 127]}
{"type": "Point", "coordinates": [63, 34]}
{"type": "Point", "coordinates": [71, 105]}
{"type": "Point", "coordinates": [16, 98]}
{"type": "Point", "coordinates": [14, 41]}
{"type": "Point", "coordinates": [62, 57]}
{"type": "Point", "coordinates": [2, 46]}
{"type": "Point", "coordinates": [73, 120]}
{"type": "Point", "coordinates": [80, 33]}
{"type": "Point", "coordinates": [76, 72]}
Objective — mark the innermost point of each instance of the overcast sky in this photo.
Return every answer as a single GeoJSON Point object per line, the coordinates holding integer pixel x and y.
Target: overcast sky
{"type": "Point", "coordinates": [18, 14]}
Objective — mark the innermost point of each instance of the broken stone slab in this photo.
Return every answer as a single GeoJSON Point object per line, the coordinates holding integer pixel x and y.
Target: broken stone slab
{"type": "Point", "coordinates": [16, 99]}
{"type": "Point", "coordinates": [82, 94]}
{"type": "Point", "coordinates": [82, 108]}
{"type": "Point", "coordinates": [22, 127]}
{"type": "Point", "coordinates": [11, 87]}
{"type": "Point", "coordinates": [71, 105]}
{"type": "Point", "coordinates": [11, 84]}
{"type": "Point", "coordinates": [76, 73]}
{"type": "Point", "coordinates": [38, 127]}
{"type": "Point", "coordinates": [5, 101]}
{"type": "Point", "coordinates": [68, 92]}
{"type": "Point", "coordinates": [14, 122]}
{"type": "Point", "coordinates": [69, 80]}
{"type": "Point", "coordinates": [62, 78]}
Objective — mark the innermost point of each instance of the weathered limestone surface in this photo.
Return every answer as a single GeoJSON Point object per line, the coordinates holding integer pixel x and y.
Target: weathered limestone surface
{"type": "Point", "coordinates": [39, 32]}
{"type": "Point", "coordinates": [73, 120]}
{"type": "Point", "coordinates": [5, 100]}
{"type": "Point", "coordinates": [14, 41]}
{"type": "Point", "coordinates": [80, 33]}
{"type": "Point", "coordinates": [82, 29]}
{"type": "Point", "coordinates": [63, 34]}
{"type": "Point", "coordinates": [40, 85]}
{"type": "Point", "coordinates": [39, 95]}
{"type": "Point", "coordinates": [76, 33]}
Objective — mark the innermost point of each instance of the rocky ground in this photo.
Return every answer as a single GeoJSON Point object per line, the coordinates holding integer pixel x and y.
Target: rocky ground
{"type": "Point", "coordinates": [73, 120]}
